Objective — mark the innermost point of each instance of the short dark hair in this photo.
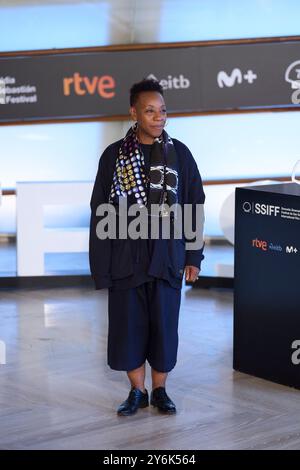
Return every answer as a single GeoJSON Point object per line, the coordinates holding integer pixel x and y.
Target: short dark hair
{"type": "Point", "coordinates": [147, 84]}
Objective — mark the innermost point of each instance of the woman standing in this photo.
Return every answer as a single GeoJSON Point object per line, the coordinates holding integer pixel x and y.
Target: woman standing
{"type": "Point", "coordinates": [144, 275]}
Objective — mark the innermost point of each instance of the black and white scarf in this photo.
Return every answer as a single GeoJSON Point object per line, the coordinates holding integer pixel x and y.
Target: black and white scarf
{"type": "Point", "coordinates": [130, 179]}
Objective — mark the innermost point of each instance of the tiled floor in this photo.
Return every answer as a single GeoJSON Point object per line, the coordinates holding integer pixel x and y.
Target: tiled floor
{"type": "Point", "coordinates": [56, 391]}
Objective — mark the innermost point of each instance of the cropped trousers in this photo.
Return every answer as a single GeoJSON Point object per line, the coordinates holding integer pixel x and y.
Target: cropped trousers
{"type": "Point", "coordinates": [143, 325]}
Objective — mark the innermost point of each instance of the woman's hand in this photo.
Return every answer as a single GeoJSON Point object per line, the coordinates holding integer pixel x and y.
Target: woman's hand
{"type": "Point", "coordinates": [191, 273]}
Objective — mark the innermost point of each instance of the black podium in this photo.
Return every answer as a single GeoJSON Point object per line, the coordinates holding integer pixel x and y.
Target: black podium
{"type": "Point", "coordinates": [267, 282]}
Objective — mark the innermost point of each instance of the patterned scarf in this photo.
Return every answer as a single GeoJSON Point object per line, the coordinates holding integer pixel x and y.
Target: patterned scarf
{"type": "Point", "coordinates": [130, 179]}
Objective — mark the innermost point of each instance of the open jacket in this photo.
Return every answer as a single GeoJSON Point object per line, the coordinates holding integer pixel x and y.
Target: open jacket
{"type": "Point", "coordinates": [126, 262]}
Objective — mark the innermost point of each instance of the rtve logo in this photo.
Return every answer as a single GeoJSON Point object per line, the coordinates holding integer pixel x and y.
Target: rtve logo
{"type": "Point", "coordinates": [103, 85]}
{"type": "Point", "coordinates": [260, 209]}
{"type": "Point", "coordinates": [260, 244]}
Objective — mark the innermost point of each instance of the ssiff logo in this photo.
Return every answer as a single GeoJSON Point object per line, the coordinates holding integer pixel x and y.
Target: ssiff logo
{"type": "Point", "coordinates": [260, 209]}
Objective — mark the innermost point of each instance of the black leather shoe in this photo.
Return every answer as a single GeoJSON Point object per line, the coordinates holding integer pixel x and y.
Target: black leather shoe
{"type": "Point", "coordinates": [160, 400]}
{"type": "Point", "coordinates": [136, 399]}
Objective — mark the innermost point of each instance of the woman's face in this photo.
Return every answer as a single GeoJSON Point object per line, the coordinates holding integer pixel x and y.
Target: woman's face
{"type": "Point", "coordinates": [150, 113]}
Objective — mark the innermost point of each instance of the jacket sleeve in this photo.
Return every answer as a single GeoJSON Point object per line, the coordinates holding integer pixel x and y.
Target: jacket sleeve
{"type": "Point", "coordinates": [195, 197]}
{"type": "Point", "coordinates": [100, 249]}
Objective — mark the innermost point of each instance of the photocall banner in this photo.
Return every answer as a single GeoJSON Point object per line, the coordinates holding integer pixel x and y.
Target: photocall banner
{"type": "Point", "coordinates": [78, 85]}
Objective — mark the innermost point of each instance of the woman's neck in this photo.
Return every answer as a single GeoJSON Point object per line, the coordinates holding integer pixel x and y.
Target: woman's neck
{"type": "Point", "coordinates": [144, 138]}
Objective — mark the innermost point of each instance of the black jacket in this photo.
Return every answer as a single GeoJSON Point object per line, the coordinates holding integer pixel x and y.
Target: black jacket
{"type": "Point", "coordinates": [128, 263]}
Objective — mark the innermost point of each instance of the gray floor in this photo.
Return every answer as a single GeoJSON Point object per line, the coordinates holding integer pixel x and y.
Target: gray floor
{"type": "Point", "coordinates": [56, 391]}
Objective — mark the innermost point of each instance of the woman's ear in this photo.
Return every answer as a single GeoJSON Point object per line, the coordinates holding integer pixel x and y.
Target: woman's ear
{"type": "Point", "coordinates": [132, 112]}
